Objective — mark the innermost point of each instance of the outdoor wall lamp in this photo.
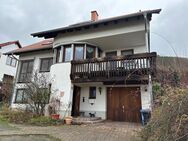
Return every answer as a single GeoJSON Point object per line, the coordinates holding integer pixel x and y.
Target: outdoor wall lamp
{"type": "Point", "coordinates": [100, 89]}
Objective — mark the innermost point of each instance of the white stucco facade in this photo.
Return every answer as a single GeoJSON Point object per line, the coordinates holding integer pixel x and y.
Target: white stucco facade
{"type": "Point", "coordinates": [36, 57]}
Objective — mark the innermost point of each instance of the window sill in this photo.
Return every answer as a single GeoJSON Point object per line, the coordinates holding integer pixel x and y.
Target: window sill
{"type": "Point", "coordinates": [43, 71]}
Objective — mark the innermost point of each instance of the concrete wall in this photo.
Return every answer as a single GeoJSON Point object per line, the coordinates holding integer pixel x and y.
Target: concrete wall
{"type": "Point", "coordinates": [4, 68]}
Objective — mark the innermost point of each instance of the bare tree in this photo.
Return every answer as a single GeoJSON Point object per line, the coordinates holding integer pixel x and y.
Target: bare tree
{"type": "Point", "coordinates": [37, 93]}
{"type": "Point", "coordinates": [6, 90]}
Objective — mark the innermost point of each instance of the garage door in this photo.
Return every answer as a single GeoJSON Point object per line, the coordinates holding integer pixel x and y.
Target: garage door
{"type": "Point", "coordinates": [123, 104]}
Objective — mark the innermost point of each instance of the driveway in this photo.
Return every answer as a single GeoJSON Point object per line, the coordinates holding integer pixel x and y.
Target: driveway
{"type": "Point", "coordinates": [106, 131]}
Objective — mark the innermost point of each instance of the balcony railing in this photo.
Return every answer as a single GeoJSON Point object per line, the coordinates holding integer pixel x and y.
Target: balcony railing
{"type": "Point", "coordinates": [130, 67]}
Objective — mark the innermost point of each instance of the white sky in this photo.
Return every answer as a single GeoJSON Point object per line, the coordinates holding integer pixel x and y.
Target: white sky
{"type": "Point", "coordinates": [20, 18]}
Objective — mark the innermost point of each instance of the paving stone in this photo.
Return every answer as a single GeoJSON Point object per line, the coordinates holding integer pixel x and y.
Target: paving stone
{"type": "Point", "coordinates": [106, 131]}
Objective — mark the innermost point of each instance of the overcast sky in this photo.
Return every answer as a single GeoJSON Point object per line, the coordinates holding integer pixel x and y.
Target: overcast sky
{"type": "Point", "coordinates": [20, 18]}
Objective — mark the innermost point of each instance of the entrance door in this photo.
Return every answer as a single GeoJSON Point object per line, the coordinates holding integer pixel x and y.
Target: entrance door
{"type": "Point", "coordinates": [124, 104]}
{"type": "Point", "coordinates": [76, 101]}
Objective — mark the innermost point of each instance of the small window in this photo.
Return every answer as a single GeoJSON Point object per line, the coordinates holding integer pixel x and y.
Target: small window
{"type": "Point", "coordinates": [67, 53]}
{"type": "Point", "coordinates": [78, 52]}
{"type": "Point", "coordinates": [92, 93]}
{"type": "Point", "coordinates": [127, 52]}
{"type": "Point", "coordinates": [20, 96]}
{"type": "Point", "coordinates": [45, 64]}
{"type": "Point", "coordinates": [11, 61]}
{"type": "Point", "coordinates": [90, 52]}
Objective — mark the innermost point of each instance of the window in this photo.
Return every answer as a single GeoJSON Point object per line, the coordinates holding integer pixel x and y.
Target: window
{"type": "Point", "coordinates": [111, 54]}
{"type": "Point", "coordinates": [11, 61]}
{"type": "Point", "coordinates": [20, 96]}
{"type": "Point", "coordinates": [92, 93]}
{"type": "Point", "coordinates": [26, 70]}
{"type": "Point", "coordinates": [58, 50]}
{"type": "Point", "coordinates": [45, 64]}
{"type": "Point", "coordinates": [127, 52]}
{"type": "Point", "coordinates": [67, 53]}
{"type": "Point", "coordinates": [90, 52]}
{"type": "Point", "coordinates": [78, 52]}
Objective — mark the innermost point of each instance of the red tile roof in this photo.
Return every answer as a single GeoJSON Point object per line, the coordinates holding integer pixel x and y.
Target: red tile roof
{"type": "Point", "coordinates": [42, 45]}
{"type": "Point", "coordinates": [10, 43]}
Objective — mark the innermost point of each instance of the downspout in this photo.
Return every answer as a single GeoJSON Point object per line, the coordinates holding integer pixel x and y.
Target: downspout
{"type": "Point", "coordinates": [147, 39]}
{"type": "Point", "coordinates": [147, 32]}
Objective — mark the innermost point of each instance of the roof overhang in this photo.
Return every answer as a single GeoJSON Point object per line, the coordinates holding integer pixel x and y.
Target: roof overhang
{"type": "Point", "coordinates": [94, 24]}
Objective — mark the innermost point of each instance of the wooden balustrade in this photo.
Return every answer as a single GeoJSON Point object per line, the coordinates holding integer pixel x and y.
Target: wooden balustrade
{"type": "Point", "coordinates": [114, 68]}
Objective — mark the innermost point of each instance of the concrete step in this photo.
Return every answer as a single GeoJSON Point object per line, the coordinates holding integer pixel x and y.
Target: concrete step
{"type": "Point", "coordinates": [86, 120]}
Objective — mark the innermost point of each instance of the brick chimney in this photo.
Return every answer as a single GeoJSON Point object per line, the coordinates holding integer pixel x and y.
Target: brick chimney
{"type": "Point", "coordinates": [94, 15]}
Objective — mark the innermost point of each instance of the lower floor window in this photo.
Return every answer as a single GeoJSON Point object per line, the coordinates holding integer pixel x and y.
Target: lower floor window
{"type": "Point", "coordinates": [41, 95]}
{"type": "Point", "coordinates": [20, 96]}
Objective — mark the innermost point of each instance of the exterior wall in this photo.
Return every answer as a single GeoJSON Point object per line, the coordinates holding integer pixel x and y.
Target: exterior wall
{"type": "Point", "coordinates": [121, 28]}
{"type": "Point", "coordinates": [137, 49]}
{"type": "Point", "coordinates": [4, 68]}
{"type": "Point", "coordinates": [62, 86]}
{"type": "Point", "coordinates": [36, 66]}
{"type": "Point", "coordinates": [100, 105]}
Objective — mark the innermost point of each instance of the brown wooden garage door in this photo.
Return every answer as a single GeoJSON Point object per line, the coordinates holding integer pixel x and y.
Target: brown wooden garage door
{"type": "Point", "coordinates": [123, 104]}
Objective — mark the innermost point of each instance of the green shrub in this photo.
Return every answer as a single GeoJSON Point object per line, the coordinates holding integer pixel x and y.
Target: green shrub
{"type": "Point", "coordinates": [169, 121]}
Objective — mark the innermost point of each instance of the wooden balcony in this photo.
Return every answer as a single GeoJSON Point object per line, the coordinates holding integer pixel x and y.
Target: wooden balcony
{"type": "Point", "coordinates": [128, 69]}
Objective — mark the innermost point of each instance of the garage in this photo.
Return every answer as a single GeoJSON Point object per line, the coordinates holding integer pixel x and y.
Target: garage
{"type": "Point", "coordinates": [123, 104]}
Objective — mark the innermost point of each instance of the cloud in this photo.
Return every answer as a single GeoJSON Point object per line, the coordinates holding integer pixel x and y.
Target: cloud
{"type": "Point", "coordinates": [20, 18]}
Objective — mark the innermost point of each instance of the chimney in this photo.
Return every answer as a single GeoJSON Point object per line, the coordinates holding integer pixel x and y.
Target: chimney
{"type": "Point", "coordinates": [94, 15]}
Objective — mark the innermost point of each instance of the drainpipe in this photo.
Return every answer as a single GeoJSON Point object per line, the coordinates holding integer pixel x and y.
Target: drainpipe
{"type": "Point", "coordinates": [147, 32]}
{"type": "Point", "coordinates": [147, 39]}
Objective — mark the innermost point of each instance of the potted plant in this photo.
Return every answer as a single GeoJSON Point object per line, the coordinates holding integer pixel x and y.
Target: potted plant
{"type": "Point", "coordinates": [54, 108]}
{"type": "Point", "coordinates": [68, 120]}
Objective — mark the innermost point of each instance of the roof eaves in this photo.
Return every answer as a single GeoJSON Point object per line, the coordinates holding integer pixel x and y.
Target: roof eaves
{"type": "Point", "coordinates": [54, 32]}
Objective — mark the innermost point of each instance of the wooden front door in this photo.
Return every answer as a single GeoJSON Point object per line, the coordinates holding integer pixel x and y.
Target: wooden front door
{"type": "Point", "coordinates": [123, 104]}
{"type": "Point", "coordinates": [76, 101]}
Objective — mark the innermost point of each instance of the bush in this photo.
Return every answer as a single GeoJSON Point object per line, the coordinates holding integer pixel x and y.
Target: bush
{"type": "Point", "coordinates": [15, 116]}
{"type": "Point", "coordinates": [169, 121]}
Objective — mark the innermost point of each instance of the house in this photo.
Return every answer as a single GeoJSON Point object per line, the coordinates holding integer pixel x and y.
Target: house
{"type": "Point", "coordinates": [102, 67]}
{"type": "Point", "coordinates": [35, 58]}
{"type": "Point", "coordinates": [8, 64]}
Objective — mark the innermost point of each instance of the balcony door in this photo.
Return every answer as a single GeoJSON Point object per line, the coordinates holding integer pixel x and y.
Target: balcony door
{"type": "Point", "coordinates": [112, 65]}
